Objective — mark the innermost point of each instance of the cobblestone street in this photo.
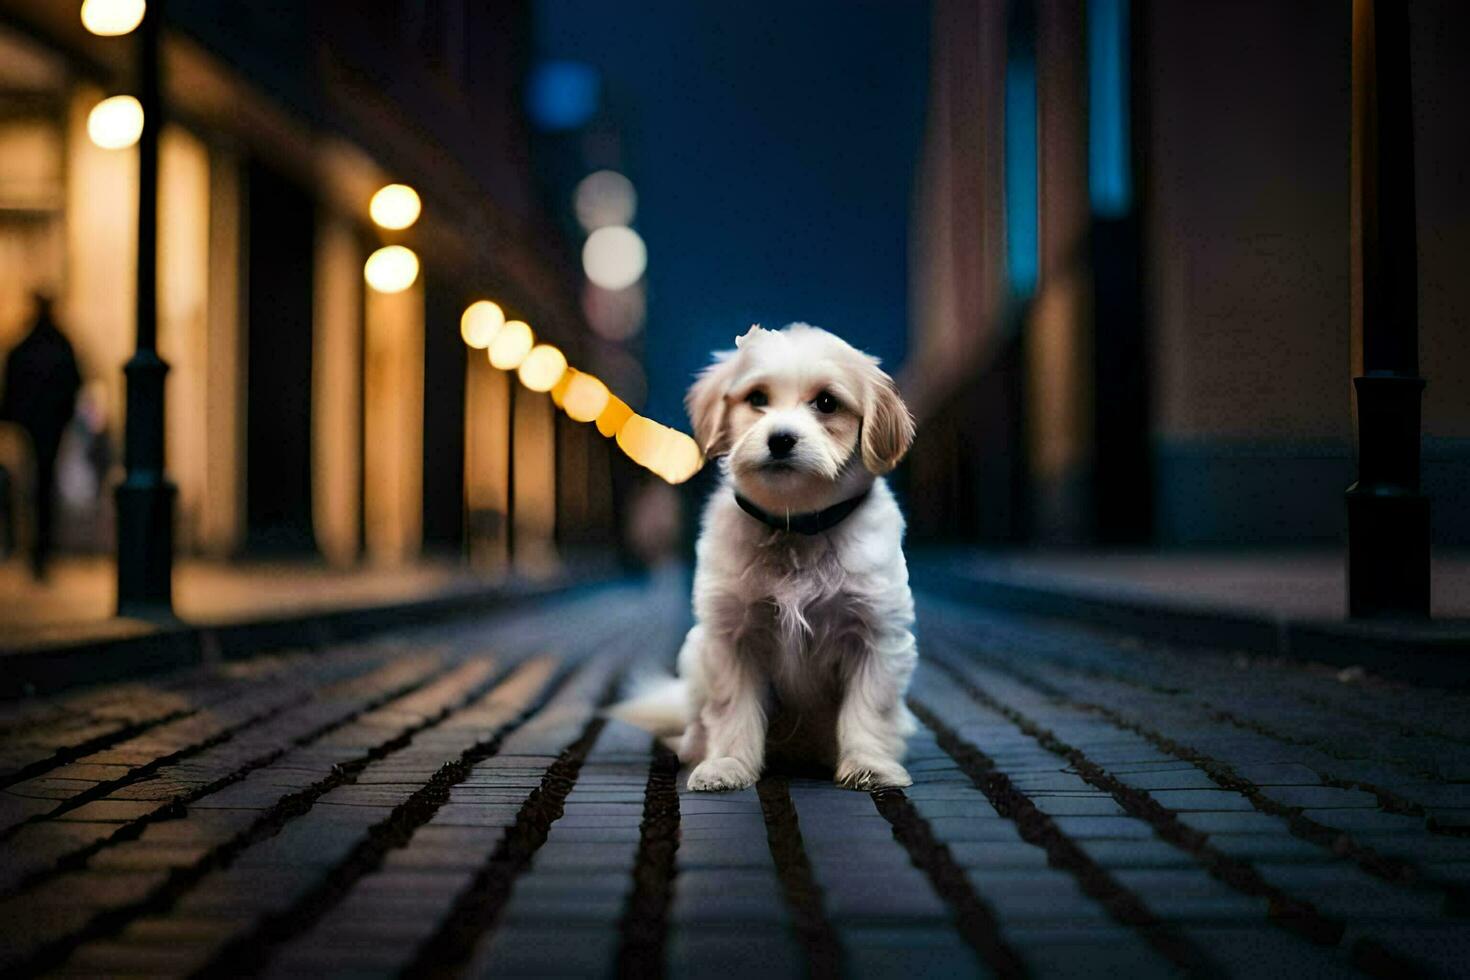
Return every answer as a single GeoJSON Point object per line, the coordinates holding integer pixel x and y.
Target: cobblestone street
{"type": "Point", "coordinates": [448, 801]}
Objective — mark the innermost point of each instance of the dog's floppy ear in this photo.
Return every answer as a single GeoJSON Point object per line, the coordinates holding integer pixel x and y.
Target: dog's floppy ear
{"type": "Point", "coordinates": [888, 428]}
{"type": "Point", "coordinates": [705, 403]}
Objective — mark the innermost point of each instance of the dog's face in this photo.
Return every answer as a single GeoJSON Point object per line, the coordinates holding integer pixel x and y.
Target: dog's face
{"type": "Point", "coordinates": [806, 419]}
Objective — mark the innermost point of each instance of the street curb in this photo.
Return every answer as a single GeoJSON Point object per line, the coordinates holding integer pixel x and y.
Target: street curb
{"type": "Point", "coordinates": [48, 669]}
{"type": "Point", "coordinates": [1435, 653]}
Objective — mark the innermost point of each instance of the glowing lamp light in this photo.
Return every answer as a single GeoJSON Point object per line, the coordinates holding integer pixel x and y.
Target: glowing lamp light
{"type": "Point", "coordinates": [681, 457]}
{"type": "Point", "coordinates": [603, 198]}
{"type": "Point", "coordinates": [542, 368]}
{"type": "Point", "coordinates": [585, 398]}
{"type": "Point", "coordinates": [669, 453]}
{"type": "Point", "coordinates": [111, 18]}
{"type": "Point", "coordinates": [610, 420]}
{"type": "Point", "coordinates": [391, 269]}
{"type": "Point", "coordinates": [614, 257]}
{"type": "Point", "coordinates": [395, 207]}
{"type": "Point", "coordinates": [511, 345]}
{"type": "Point", "coordinates": [480, 322]}
{"type": "Point", "coordinates": [641, 439]}
{"type": "Point", "coordinates": [559, 390]}
{"type": "Point", "coordinates": [115, 123]}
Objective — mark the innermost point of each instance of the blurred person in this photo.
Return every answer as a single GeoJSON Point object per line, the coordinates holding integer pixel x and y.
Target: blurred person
{"type": "Point", "coordinates": [41, 385]}
{"type": "Point", "coordinates": [83, 467]}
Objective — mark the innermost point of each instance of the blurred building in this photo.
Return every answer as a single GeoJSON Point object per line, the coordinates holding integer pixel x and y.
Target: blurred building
{"type": "Point", "coordinates": [1133, 280]}
{"type": "Point", "coordinates": [307, 412]}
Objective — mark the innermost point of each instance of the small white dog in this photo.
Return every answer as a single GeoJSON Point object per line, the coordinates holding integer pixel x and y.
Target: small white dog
{"type": "Point", "coordinates": [802, 644]}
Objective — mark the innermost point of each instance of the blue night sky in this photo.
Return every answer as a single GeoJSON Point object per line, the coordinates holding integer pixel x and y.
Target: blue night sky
{"type": "Point", "coordinates": [773, 146]}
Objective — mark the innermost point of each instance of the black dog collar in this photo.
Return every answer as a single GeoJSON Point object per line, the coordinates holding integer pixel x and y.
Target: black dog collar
{"type": "Point", "coordinates": [813, 523]}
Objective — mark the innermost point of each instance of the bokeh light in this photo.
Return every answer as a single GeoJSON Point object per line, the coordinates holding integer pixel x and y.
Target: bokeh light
{"type": "Point", "coordinates": [616, 315]}
{"type": "Point", "coordinates": [391, 269]}
{"type": "Point", "coordinates": [641, 439]}
{"type": "Point", "coordinates": [680, 458]}
{"type": "Point", "coordinates": [585, 398]}
{"type": "Point", "coordinates": [115, 123]}
{"type": "Point", "coordinates": [669, 453]}
{"type": "Point", "coordinates": [110, 18]}
{"type": "Point", "coordinates": [604, 198]}
{"type": "Point", "coordinates": [542, 368]}
{"type": "Point", "coordinates": [511, 344]}
{"type": "Point", "coordinates": [614, 257]}
{"type": "Point", "coordinates": [480, 322]}
{"type": "Point", "coordinates": [395, 207]}
{"type": "Point", "coordinates": [559, 390]}
{"type": "Point", "coordinates": [610, 420]}
{"type": "Point", "coordinates": [562, 95]}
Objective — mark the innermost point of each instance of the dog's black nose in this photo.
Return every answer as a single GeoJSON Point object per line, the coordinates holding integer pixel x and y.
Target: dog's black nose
{"type": "Point", "coordinates": [780, 444]}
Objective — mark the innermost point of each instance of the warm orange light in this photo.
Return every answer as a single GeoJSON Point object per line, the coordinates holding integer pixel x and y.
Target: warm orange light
{"type": "Point", "coordinates": [641, 439]}
{"type": "Point", "coordinates": [391, 269]}
{"type": "Point", "coordinates": [585, 398]}
{"type": "Point", "coordinates": [542, 368]}
{"type": "Point", "coordinates": [669, 453]}
{"type": "Point", "coordinates": [480, 322]}
{"type": "Point", "coordinates": [680, 458]}
{"type": "Point", "coordinates": [116, 123]}
{"type": "Point", "coordinates": [559, 390]}
{"type": "Point", "coordinates": [510, 345]}
{"type": "Point", "coordinates": [111, 18]}
{"type": "Point", "coordinates": [610, 420]}
{"type": "Point", "coordinates": [395, 207]}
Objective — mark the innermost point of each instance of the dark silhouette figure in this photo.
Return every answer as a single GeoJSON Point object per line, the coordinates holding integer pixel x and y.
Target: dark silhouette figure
{"type": "Point", "coordinates": [41, 384]}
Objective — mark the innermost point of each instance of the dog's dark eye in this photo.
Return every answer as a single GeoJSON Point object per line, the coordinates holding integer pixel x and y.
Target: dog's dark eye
{"type": "Point", "coordinates": [825, 403]}
{"type": "Point", "coordinates": [757, 399]}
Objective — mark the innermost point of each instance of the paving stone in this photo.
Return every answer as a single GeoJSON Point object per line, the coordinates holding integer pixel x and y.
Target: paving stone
{"type": "Point", "coordinates": [723, 896]}
{"type": "Point", "coordinates": [700, 952]}
{"type": "Point", "coordinates": [1086, 950]}
{"type": "Point", "coordinates": [1111, 853]}
{"type": "Point", "coordinates": [1234, 822]}
{"type": "Point", "coordinates": [1194, 800]}
{"type": "Point", "coordinates": [1320, 797]}
{"type": "Point", "coordinates": [1167, 779]}
{"type": "Point", "coordinates": [1282, 728]}
{"type": "Point", "coordinates": [539, 950]}
{"type": "Point", "coordinates": [1189, 894]}
{"type": "Point", "coordinates": [1125, 828]}
{"type": "Point", "coordinates": [1095, 805]}
{"type": "Point", "coordinates": [879, 953]}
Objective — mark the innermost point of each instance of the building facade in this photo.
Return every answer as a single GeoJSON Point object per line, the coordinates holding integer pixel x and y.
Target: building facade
{"type": "Point", "coordinates": [306, 412]}
{"type": "Point", "coordinates": [1134, 279]}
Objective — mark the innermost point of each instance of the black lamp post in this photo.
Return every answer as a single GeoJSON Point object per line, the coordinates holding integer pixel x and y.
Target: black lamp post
{"type": "Point", "coordinates": [145, 498]}
{"type": "Point", "coordinates": [1388, 516]}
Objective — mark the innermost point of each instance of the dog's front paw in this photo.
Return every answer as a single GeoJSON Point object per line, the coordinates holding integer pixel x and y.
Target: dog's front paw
{"type": "Point", "coordinates": [872, 772]}
{"type": "Point", "coordinates": [714, 775]}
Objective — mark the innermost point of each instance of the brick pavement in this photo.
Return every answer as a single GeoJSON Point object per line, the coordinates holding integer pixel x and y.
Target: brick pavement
{"type": "Point", "coordinates": [448, 802]}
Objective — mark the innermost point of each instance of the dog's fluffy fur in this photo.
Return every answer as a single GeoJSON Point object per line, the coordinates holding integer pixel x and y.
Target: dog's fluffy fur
{"type": "Point", "coordinates": [802, 644]}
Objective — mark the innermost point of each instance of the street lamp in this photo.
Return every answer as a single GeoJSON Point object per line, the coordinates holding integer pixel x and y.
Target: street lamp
{"type": "Point", "coordinates": [585, 398]}
{"type": "Point", "coordinates": [542, 368]}
{"type": "Point", "coordinates": [480, 322]}
{"type": "Point", "coordinates": [391, 269]}
{"type": "Point", "coordinates": [395, 207]}
{"type": "Point", "coordinates": [145, 497]}
{"type": "Point", "coordinates": [112, 18]}
{"type": "Point", "coordinates": [115, 123]}
{"type": "Point", "coordinates": [511, 345]}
